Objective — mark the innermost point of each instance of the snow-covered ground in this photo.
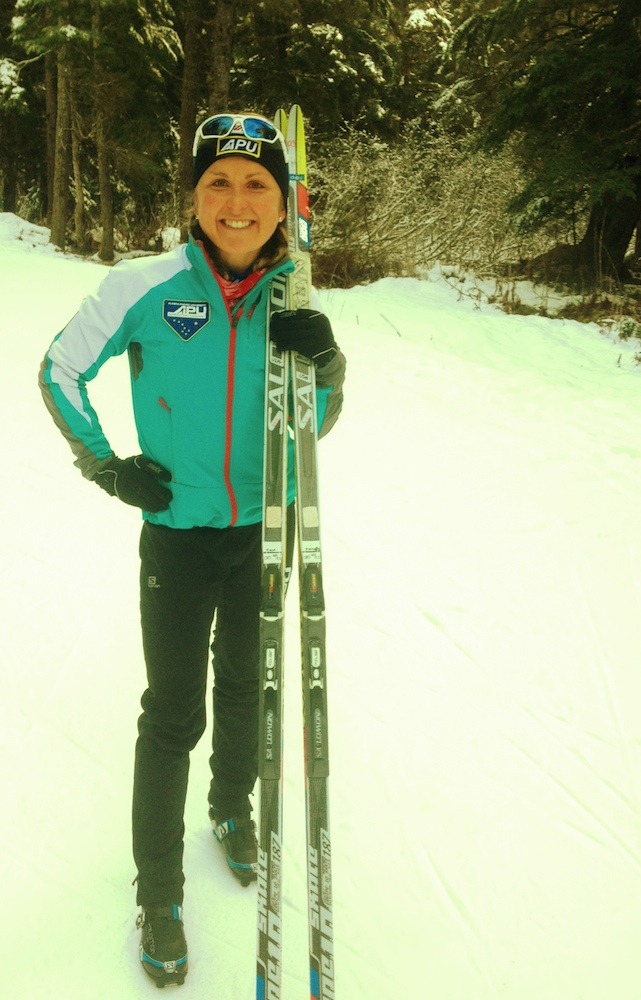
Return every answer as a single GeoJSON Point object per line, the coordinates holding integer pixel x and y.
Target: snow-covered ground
{"type": "Point", "coordinates": [482, 538]}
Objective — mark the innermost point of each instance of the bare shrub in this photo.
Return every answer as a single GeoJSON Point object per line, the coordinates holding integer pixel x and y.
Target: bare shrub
{"type": "Point", "coordinates": [398, 209]}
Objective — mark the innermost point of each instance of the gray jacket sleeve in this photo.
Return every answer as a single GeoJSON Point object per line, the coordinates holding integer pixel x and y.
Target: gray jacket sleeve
{"type": "Point", "coordinates": [332, 376]}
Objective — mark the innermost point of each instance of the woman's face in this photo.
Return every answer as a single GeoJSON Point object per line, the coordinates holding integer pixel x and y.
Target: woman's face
{"type": "Point", "coordinates": [239, 205]}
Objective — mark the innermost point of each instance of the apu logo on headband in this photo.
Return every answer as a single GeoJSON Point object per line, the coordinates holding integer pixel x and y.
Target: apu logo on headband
{"type": "Point", "coordinates": [249, 147]}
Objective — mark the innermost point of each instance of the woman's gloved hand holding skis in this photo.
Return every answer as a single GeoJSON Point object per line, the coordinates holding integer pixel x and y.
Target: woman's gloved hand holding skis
{"type": "Point", "coordinates": [305, 331]}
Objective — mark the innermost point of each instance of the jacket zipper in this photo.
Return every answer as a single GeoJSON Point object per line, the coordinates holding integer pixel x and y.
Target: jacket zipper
{"type": "Point", "coordinates": [234, 318]}
{"type": "Point", "coordinates": [231, 375]}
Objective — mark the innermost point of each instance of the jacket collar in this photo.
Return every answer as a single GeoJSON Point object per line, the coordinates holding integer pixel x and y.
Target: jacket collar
{"type": "Point", "coordinates": [198, 259]}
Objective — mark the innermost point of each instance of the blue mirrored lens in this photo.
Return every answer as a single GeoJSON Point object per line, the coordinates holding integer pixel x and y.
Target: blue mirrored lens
{"type": "Point", "coordinates": [256, 128]}
{"type": "Point", "coordinates": [220, 125]}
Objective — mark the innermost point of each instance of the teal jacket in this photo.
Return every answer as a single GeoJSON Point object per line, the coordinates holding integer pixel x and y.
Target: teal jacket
{"type": "Point", "coordinates": [197, 380]}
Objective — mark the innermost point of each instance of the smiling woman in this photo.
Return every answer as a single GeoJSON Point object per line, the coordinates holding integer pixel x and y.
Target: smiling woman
{"type": "Point", "coordinates": [241, 184]}
{"type": "Point", "coordinates": [238, 205]}
{"type": "Point", "coordinates": [194, 323]}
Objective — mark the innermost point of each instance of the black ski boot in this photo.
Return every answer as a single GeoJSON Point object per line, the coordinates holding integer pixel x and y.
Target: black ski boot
{"type": "Point", "coordinates": [237, 836]}
{"type": "Point", "coordinates": [163, 949]}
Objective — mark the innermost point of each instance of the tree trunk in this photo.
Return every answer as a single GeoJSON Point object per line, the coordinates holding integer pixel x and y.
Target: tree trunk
{"type": "Point", "coordinates": [221, 56]}
{"type": "Point", "coordinates": [60, 209]}
{"type": "Point", "coordinates": [191, 92]}
{"type": "Point", "coordinates": [51, 99]}
{"type": "Point", "coordinates": [80, 235]}
{"type": "Point", "coordinates": [8, 171]}
{"type": "Point", "coordinates": [106, 252]}
{"type": "Point", "coordinates": [610, 230]}
{"type": "Point", "coordinates": [601, 253]}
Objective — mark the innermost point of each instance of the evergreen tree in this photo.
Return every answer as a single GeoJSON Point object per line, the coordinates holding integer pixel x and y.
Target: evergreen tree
{"type": "Point", "coordinates": [331, 56]}
{"type": "Point", "coordinates": [191, 17]}
{"type": "Point", "coordinates": [12, 106]}
{"type": "Point", "coordinates": [112, 59]}
{"type": "Point", "coordinates": [564, 79]}
{"type": "Point", "coordinates": [421, 33]}
{"type": "Point", "coordinates": [23, 149]}
{"type": "Point", "coordinates": [134, 58]}
{"type": "Point", "coordinates": [56, 29]}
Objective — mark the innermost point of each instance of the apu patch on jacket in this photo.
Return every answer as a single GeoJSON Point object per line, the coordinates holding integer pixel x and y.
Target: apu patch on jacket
{"type": "Point", "coordinates": [185, 318]}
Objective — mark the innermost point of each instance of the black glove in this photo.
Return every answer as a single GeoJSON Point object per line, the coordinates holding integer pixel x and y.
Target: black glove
{"type": "Point", "coordinates": [136, 481]}
{"type": "Point", "coordinates": [306, 331]}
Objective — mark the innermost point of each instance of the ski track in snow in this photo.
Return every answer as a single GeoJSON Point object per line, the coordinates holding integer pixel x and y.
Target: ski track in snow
{"type": "Point", "coordinates": [480, 510]}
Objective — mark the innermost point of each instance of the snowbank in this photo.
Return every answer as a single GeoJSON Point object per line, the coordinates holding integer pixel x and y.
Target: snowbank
{"type": "Point", "coordinates": [23, 235]}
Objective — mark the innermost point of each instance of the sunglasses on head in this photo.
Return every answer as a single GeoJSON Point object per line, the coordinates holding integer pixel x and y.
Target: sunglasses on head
{"type": "Point", "coordinates": [251, 126]}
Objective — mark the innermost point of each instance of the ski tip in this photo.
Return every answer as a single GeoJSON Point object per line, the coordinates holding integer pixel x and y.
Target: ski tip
{"type": "Point", "coordinates": [280, 121]}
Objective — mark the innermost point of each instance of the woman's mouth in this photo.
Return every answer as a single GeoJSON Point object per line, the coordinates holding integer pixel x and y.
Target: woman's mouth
{"type": "Point", "coordinates": [236, 223]}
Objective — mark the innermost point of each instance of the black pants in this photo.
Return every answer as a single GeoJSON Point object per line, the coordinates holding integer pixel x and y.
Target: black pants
{"type": "Point", "coordinates": [187, 576]}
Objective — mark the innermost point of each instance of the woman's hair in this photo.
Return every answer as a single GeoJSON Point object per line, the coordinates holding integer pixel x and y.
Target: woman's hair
{"type": "Point", "coordinates": [269, 254]}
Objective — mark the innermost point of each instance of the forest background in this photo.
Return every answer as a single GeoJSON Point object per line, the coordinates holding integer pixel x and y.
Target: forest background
{"type": "Point", "coordinates": [498, 136]}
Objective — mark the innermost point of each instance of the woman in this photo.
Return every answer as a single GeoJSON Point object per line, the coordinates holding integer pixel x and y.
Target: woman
{"type": "Point", "coordinates": [193, 321]}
